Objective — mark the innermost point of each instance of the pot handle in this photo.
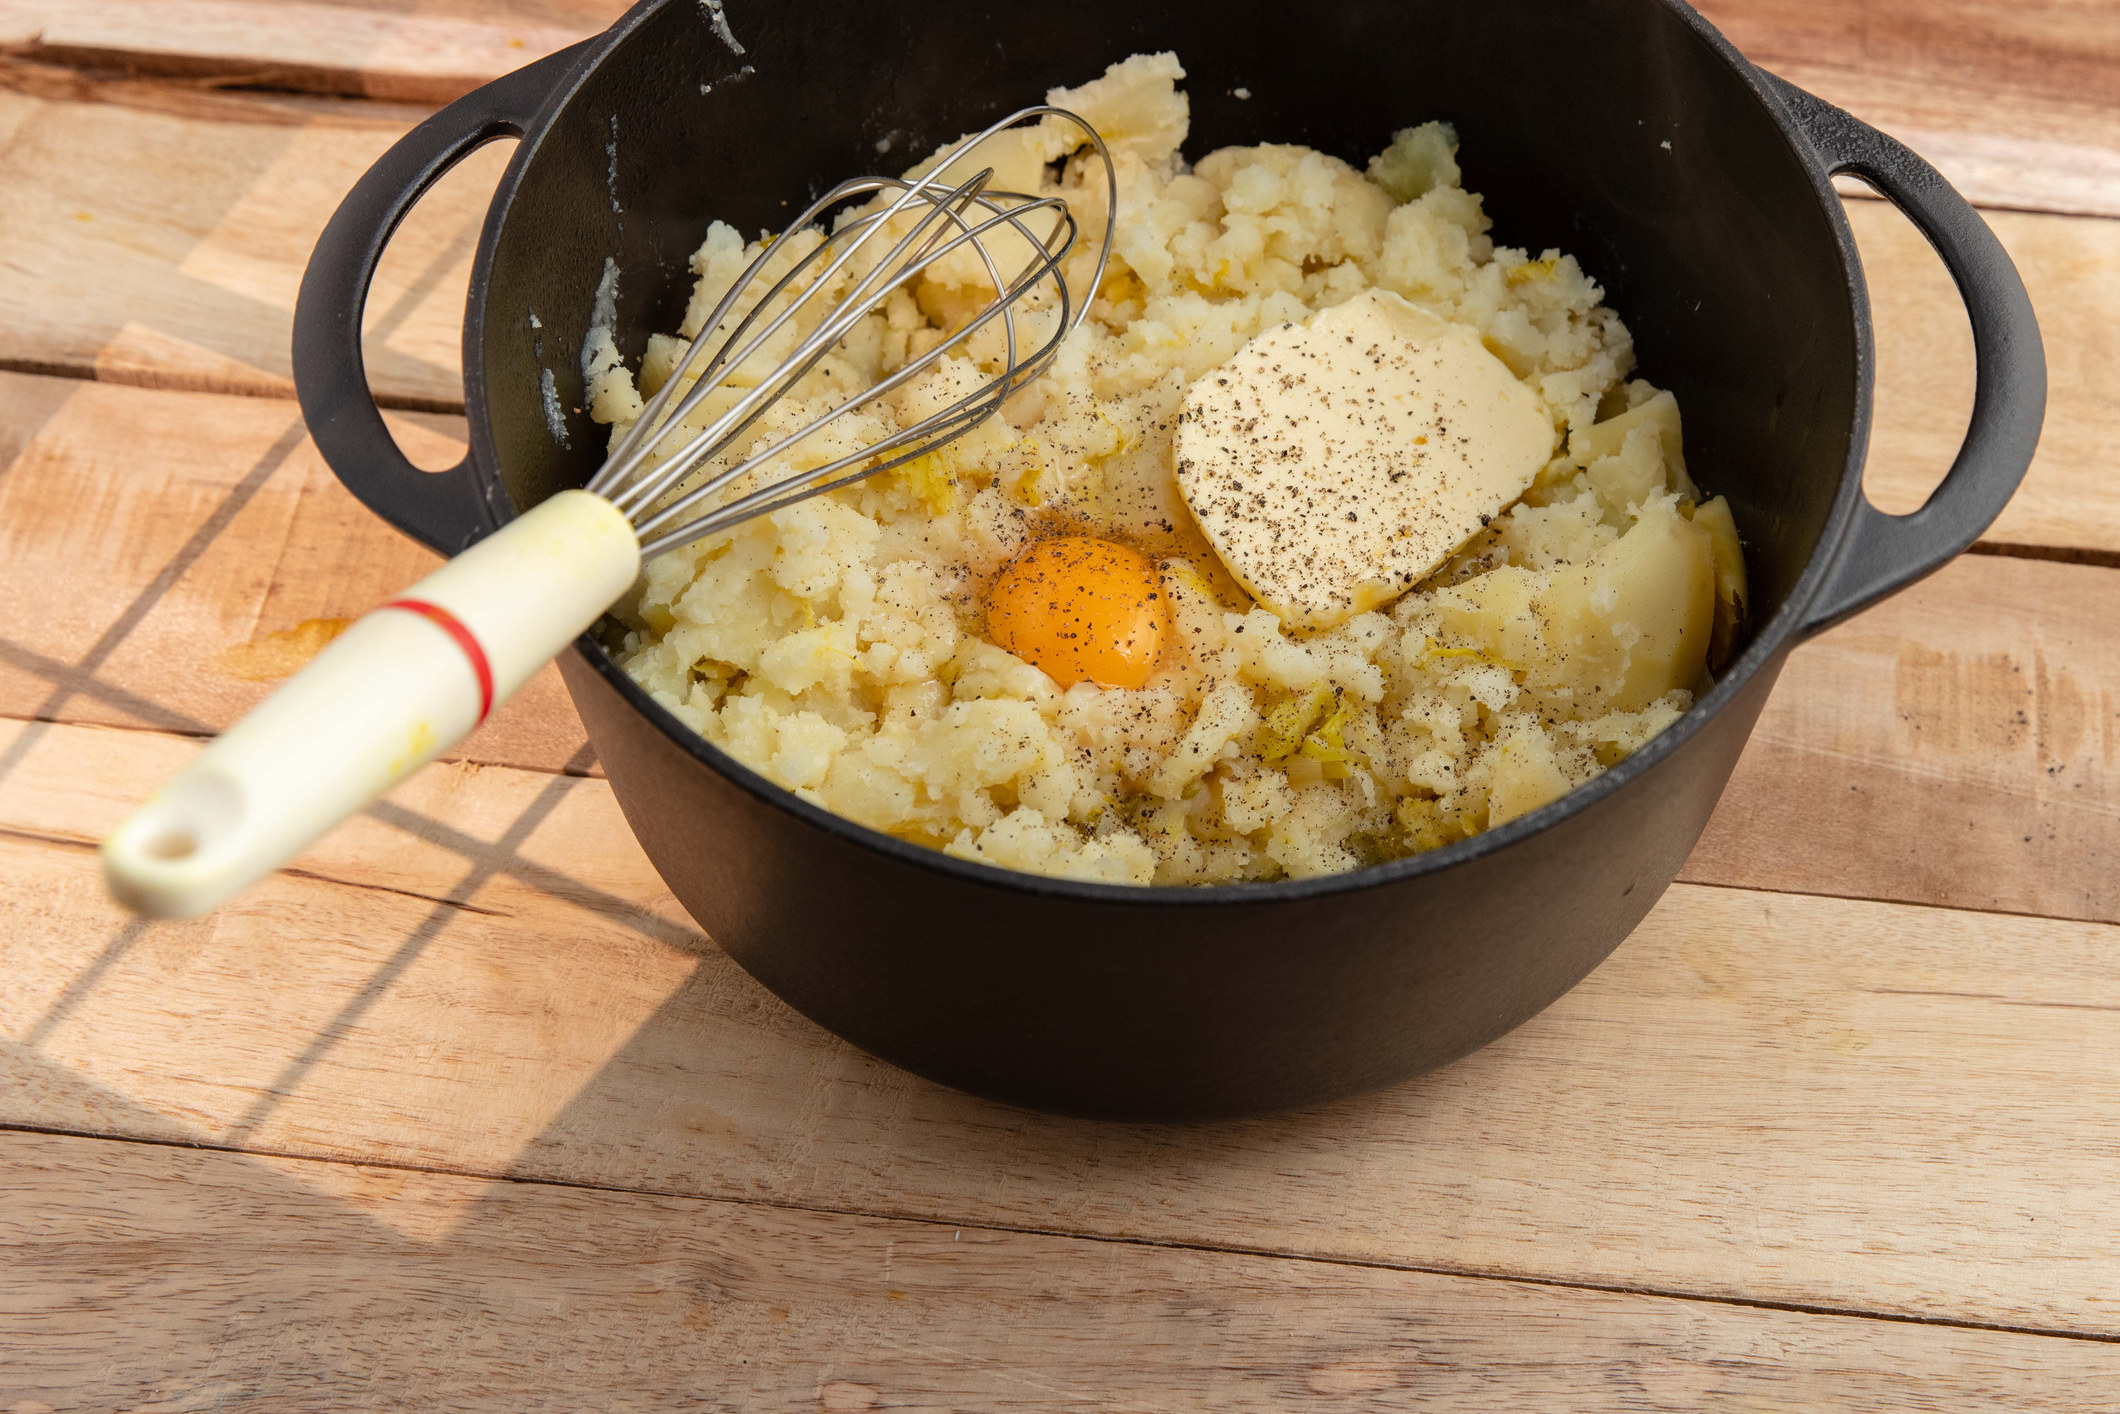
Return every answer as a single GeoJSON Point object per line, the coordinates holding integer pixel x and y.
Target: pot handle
{"type": "Point", "coordinates": [1882, 554]}
{"type": "Point", "coordinates": [442, 510]}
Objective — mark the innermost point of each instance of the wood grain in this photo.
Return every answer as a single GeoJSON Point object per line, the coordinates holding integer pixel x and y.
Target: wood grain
{"type": "Point", "coordinates": [2071, 266]}
{"type": "Point", "coordinates": [170, 588]}
{"type": "Point", "coordinates": [165, 247]}
{"type": "Point", "coordinates": [119, 282]}
{"type": "Point", "coordinates": [158, 239]}
{"type": "Point", "coordinates": [1760, 1096]}
{"type": "Point", "coordinates": [158, 1279]}
{"type": "Point", "coordinates": [2017, 104]}
{"type": "Point", "coordinates": [366, 51]}
{"type": "Point", "coordinates": [161, 554]}
{"type": "Point", "coordinates": [1958, 744]}
{"type": "Point", "coordinates": [580, 16]}
{"type": "Point", "coordinates": [1864, 1104]}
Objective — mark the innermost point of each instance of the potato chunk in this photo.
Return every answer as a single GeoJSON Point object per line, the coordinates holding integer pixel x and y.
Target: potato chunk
{"type": "Point", "coordinates": [1634, 623]}
{"type": "Point", "coordinates": [1526, 776]}
{"type": "Point", "coordinates": [1730, 590]}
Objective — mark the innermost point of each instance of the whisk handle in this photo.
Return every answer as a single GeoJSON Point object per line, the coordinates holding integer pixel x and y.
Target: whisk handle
{"type": "Point", "coordinates": [407, 681]}
{"type": "Point", "coordinates": [442, 510]}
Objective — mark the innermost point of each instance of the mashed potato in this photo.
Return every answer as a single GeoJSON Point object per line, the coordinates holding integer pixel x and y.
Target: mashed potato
{"type": "Point", "coordinates": [838, 647]}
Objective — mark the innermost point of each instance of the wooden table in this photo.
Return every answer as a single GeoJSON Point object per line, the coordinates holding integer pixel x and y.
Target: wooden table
{"type": "Point", "coordinates": [462, 1112]}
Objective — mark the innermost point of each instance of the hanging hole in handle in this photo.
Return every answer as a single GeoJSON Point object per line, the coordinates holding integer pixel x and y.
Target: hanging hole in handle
{"type": "Point", "coordinates": [431, 441]}
{"type": "Point", "coordinates": [412, 328]}
{"type": "Point", "coordinates": [1924, 340]}
{"type": "Point", "coordinates": [201, 812]}
{"type": "Point", "coordinates": [172, 843]}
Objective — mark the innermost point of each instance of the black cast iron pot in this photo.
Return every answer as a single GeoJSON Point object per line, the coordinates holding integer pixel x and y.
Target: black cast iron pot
{"type": "Point", "coordinates": [1692, 185]}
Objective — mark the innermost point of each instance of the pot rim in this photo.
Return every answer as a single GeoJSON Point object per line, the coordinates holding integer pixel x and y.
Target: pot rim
{"type": "Point", "coordinates": [1768, 642]}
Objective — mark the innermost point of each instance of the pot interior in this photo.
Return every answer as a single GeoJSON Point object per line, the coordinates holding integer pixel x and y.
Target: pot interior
{"type": "Point", "coordinates": [1611, 129]}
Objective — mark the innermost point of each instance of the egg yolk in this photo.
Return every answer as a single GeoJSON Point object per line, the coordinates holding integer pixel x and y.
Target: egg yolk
{"type": "Point", "coordinates": [1082, 610]}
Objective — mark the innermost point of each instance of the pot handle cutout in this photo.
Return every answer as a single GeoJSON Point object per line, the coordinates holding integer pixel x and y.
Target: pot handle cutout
{"type": "Point", "coordinates": [1882, 554]}
{"type": "Point", "coordinates": [440, 509]}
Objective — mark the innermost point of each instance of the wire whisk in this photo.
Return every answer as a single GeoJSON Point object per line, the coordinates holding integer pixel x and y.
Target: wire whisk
{"type": "Point", "coordinates": [415, 676]}
{"type": "Point", "coordinates": [942, 226]}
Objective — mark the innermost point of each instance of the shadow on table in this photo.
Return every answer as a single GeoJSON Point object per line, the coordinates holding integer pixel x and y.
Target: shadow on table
{"type": "Point", "coordinates": [727, 1090]}
{"type": "Point", "coordinates": [154, 1276]}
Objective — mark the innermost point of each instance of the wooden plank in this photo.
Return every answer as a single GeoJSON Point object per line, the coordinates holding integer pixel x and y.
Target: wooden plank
{"type": "Point", "coordinates": [2071, 266]}
{"type": "Point", "coordinates": [1760, 1096]}
{"type": "Point", "coordinates": [1958, 744]}
{"type": "Point", "coordinates": [213, 1281]}
{"type": "Point", "coordinates": [2014, 173]}
{"type": "Point", "coordinates": [370, 52]}
{"type": "Point", "coordinates": [1917, 705]}
{"type": "Point", "coordinates": [166, 557]}
{"type": "Point", "coordinates": [582, 16]}
{"type": "Point", "coordinates": [197, 227]}
{"type": "Point", "coordinates": [159, 239]}
{"type": "Point", "coordinates": [2018, 104]}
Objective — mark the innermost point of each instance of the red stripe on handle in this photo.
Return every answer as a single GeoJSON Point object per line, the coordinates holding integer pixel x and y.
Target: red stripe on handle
{"type": "Point", "coordinates": [450, 624]}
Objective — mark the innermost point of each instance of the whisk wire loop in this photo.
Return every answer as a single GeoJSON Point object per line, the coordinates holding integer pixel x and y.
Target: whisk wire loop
{"type": "Point", "coordinates": [821, 341]}
{"type": "Point", "coordinates": [945, 219]}
{"type": "Point", "coordinates": [392, 691]}
{"type": "Point", "coordinates": [931, 431]}
{"type": "Point", "coordinates": [852, 307]}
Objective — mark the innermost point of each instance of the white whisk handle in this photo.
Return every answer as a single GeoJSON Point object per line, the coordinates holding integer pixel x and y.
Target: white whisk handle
{"type": "Point", "coordinates": [408, 680]}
